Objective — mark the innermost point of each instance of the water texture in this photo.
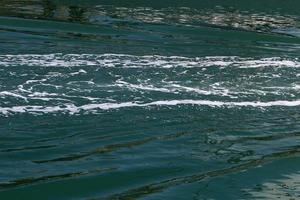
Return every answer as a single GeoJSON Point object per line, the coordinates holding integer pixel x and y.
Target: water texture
{"type": "Point", "coordinates": [149, 99]}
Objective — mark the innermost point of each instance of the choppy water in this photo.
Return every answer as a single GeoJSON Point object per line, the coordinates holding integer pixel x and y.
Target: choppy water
{"type": "Point", "coordinates": [149, 100]}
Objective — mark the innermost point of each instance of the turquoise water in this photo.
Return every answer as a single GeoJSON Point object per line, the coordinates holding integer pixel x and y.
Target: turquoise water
{"type": "Point", "coordinates": [149, 99]}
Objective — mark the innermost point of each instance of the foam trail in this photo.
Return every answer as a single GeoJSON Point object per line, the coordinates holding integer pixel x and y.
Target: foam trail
{"type": "Point", "coordinates": [6, 93]}
{"type": "Point", "coordinates": [73, 109]}
{"type": "Point", "coordinates": [131, 61]}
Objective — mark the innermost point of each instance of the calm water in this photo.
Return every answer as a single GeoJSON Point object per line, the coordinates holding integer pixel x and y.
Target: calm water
{"type": "Point", "coordinates": [149, 99]}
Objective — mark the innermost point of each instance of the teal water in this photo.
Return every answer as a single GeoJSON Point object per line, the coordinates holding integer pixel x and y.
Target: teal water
{"type": "Point", "coordinates": [149, 99]}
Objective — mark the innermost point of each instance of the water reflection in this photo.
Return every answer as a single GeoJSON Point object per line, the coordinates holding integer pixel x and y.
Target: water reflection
{"type": "Point", "coordinates": [218, 16]}
{"type": "Point", "coordinates": [43, 9]}
{"type": "Point", "coordinates": [288, 186]}
{"type": "Point", "coordinates": [106, 14]}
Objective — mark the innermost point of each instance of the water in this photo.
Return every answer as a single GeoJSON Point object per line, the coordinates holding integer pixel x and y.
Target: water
{"type": "Point", "coordinates": [149, 100]}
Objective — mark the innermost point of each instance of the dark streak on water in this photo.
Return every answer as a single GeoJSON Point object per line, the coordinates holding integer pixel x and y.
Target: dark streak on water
{"type": "Point", "coordinates": [149, 99]}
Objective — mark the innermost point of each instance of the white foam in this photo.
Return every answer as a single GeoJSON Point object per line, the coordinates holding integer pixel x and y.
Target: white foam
{"type": "Point", "coordinates": [73, 109]}
{"type": "Point", "coordinates": [148, 87]}
{"type": "Point", "coordinates": [7, 93]}
{"type": "Point", "coordinates": [220, 103]}
{"type": "Point", "coordinates": [131, 61]}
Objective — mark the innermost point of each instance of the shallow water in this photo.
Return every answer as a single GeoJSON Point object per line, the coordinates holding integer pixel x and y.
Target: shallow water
{"type": "Point", "coordinates": [149, 100]}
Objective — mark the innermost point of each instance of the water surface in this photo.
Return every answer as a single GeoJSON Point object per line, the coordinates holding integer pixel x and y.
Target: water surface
{"type": "Point", "coordinates": [149, 100]}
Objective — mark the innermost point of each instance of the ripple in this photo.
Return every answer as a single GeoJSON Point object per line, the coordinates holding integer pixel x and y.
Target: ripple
{"type": "Point", "coordinates": [35, 180]}
{"type": "Point", "coordinates": [163, 185]}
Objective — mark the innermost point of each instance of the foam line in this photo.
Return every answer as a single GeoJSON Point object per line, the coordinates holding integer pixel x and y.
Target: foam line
{"type": "Point", "coordinates": [131, 61]}
{"type": "Point", "coordinates": [73, 109]}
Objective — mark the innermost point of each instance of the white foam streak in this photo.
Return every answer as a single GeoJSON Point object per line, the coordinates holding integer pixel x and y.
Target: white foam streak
{"type": "Point", "coordinates": [148, 87]}
{"type": "Point", "coordinates": [73, 109]}
{"type": "Point", "coordinates": [6, 93]}
{"type": "Point", "coordinates": [131, 61]}
{"type": "Point", "coordinates": [220, 103]}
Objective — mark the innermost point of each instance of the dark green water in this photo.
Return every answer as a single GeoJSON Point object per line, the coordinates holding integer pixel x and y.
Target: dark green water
{"type": "Point", "coordinates": [192, 99]}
